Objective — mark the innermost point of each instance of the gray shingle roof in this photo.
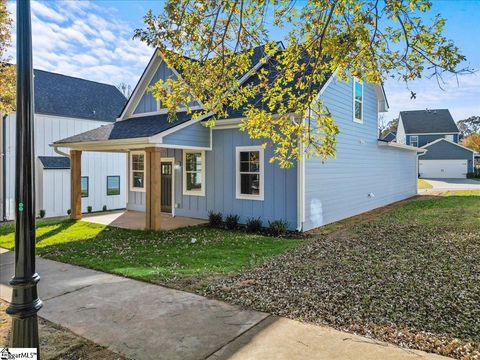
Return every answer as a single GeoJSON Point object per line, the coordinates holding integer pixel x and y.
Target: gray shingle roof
{"type": "Point", "coordinates": [54, 162]}
{"type": "Point", "coordinates": [389, 137]}
{"type": "Point", "coordinates": [428, 121]}
{"type": "Point", "coordinates": [128, 129]}
{"type": "Point", "coordinates": [62, 95]}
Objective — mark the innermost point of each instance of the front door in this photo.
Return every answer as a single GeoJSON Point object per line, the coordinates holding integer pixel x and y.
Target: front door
{"type": "Point", "coordinates": [166, 186]}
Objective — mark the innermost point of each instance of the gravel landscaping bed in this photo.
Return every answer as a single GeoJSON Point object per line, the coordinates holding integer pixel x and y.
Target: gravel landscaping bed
{"type": "Point", "coordinates": [411, 277]}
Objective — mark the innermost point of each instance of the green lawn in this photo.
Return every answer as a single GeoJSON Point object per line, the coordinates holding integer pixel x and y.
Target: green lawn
{"type": "Point", "coordinates": [409, 276]}
{"type": "Point", "coordinates": [423, 184]}
{"type": "Point", "coordinates": [167, 257]}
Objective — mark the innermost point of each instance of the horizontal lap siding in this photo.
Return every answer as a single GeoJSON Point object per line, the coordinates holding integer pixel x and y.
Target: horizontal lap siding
{"type": "Point", "coordinates": [340, 187]}
{"type": "Point", "coordinates": [147, 102]}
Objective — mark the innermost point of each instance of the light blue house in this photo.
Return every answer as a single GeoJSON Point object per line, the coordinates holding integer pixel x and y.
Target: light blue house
{"type": "Point", "coordinates": [435, 131]}
{"type": "Point", "coordinates": [223, 170]}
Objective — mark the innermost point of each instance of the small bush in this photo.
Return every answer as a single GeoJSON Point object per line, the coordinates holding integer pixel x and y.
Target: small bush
{"type": "Point", "coordinates": [231, 221]}
{"type": "Point", "coordinates": [104, 208]}
{"type": "Point", "coordinates": [254, 224]}
{"type": "Point", "coordinates": [89, 209]}
{"type": "Point", "coordinates": [215, 219]}
{"type": "Point", "coordinates": [42, 213]}
{"type": "Point", "coordinates": [278, 227]}
{"type": "Point", "coordinates": [69, 211]}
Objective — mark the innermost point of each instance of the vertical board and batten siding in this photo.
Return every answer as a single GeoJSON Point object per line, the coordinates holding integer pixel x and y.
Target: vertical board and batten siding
{"type": "Point", "coordinates": [427, 139]}
{"type": "Point", "coordinates": [280, 195]}
{"type": "Point", "coordinates": [364, 175]}
{"type": "Point", "coordinates": [148, 103]}
{"type": "Point", "coordinates": [55, 199]}
{"type": "Point", "coordinates": [192, 135]}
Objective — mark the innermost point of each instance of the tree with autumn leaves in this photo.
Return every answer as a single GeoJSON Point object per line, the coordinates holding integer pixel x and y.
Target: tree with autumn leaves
{"type": "Point", "coordinates": [7, 72]}
{"type": "Point", "coordinates": [210, 43]}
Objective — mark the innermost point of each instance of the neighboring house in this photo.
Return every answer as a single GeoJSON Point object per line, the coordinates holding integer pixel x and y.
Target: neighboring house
{"type": "Point", "coordinates": [389, 137]}
{"type": "Point", "coordinates": [436, 132]}
{"type": "Point", "coordinates": [186, 169]}
{"type": "Point", "coordinates": [65, 106]}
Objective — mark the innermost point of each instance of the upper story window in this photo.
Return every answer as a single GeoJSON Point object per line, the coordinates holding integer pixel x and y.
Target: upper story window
{"type": "Point", "coordinates": [414, 140]}
{"type": "Point", "coordinates": [249, 173]}
{"type": "Point", "coordinates": [137, 171]}
{"type": "Point", "coordinates": [357, 101]}
{"type": "Point", "coordinates": [194, 173]}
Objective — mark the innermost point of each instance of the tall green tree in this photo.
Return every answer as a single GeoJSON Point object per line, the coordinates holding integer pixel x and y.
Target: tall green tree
{"type": "Point", "coordinates": [210, 43]}
{"type": "Point", "coordinates": [7, 72]}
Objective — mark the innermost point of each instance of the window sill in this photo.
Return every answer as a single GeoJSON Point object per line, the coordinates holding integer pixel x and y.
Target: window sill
{"type": "Point", "coordinates": [250, 197]}
{"type": "Point", "coordinates": [194, 193]}
{"type": "Point", "coordinates": [357, 121]}
{"type": "Point", "coordinates": [137, 189]}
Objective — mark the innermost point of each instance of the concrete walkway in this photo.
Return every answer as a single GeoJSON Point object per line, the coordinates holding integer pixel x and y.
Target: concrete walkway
{"type": "Point", "coordinates": [452, 184]}
{"type": "Point", "coordinates": [145, 321]}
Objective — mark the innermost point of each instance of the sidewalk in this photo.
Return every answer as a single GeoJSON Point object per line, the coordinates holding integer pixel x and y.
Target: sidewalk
{"type": "Point", "coordinates": [146, 321]}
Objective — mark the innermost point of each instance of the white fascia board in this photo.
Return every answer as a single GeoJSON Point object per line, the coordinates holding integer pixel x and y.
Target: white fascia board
{"type": "Point", "coordinates": [400, 146]}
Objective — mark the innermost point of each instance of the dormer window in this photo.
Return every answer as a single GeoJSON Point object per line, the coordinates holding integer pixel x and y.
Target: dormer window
{"type": "Point", "coordinates": [357, 101]}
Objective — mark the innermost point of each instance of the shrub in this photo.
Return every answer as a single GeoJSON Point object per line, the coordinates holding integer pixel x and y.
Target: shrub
{"type": "Point", "coordinates": [89, 209]}
{"type": "Point", "coordinates": [254, 224]}
{"type": "Point", "coordinates": [278, 227]}
{"type": "Point", "coordinates": [42, 213]}
{"type": "Point", "coordinates": [104, 208]}
{"type": "Point", "coordinates": [69, 211]}
{"type": "Point", "coordinates": [231, 221]}
{"type": "Point", "coordinates": [215, 219]}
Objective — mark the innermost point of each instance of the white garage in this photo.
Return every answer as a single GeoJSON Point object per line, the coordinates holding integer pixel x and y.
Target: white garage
{"type": "Point", "coordinates": [452, 169]}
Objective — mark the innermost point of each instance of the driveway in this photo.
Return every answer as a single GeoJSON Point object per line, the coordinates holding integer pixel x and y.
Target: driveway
{"type": "Point", "coordinates": [453, 184]}
{"type": "Point", "coordinates": [146, 321]}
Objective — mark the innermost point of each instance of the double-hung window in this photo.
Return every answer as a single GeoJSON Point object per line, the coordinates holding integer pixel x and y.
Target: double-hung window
{"type": "Point", "coordinates": [137, 171]}
{"type": "Point", "coordinates": [357, 101]}
{"type": "Point", "coordinates": [249, 173]}
{"type": "Point", "coordinates": [414, 140]}
{"type": "Point", "coordinates": [194, 173]}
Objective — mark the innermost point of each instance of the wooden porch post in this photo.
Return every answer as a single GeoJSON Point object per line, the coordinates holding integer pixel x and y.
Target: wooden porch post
{"type": "Point", "coordinates": [152, 187]}
{"type": "Point", "coordinates": [75, 184]}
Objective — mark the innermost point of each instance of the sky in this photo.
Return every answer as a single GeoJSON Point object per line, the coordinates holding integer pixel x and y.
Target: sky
{"type": "Point", "coordinates": [93, 40]}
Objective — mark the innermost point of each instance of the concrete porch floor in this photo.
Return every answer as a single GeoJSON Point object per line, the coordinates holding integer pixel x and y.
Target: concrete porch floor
{"type": "Point", "coordinates": [129, 219]}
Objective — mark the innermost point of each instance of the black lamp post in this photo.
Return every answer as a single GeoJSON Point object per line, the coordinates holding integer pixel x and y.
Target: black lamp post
{"type": "Point", "coordinates": [25, 301]}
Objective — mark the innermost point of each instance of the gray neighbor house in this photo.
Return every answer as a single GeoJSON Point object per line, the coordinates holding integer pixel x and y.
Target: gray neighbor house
{"type": "Point", "coordinates": [435, 131]}
{"type": "Point", "coordinates": [185, 169]}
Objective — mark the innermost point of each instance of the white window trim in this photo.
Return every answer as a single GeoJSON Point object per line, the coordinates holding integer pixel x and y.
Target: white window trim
{"type": "Point", "coordinates": [411, 140]}
{"type": "Point", "coordinates": [132, 188]}
{"type": "Point", "coordinates": [239, 195]}
{"type": "Point", "coordinates": [358, 121]}
{"type": "Point", "coordinates": [184, 173]}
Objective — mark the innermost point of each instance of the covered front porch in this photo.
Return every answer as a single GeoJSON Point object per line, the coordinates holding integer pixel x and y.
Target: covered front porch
{"type": "Point", "coordinates": [135, 220]}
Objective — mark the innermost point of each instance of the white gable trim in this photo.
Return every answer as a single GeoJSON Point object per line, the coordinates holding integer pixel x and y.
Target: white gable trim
{"type": "Point", "coordinates": [451, 142]}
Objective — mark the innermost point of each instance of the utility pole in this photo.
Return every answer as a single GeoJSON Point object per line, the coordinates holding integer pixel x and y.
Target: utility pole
{"type": "Point", "coordinates": [25, 301]}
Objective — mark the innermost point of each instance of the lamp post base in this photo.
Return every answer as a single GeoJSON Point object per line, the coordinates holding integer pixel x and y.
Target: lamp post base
{"type": "Point", "coordinates": [26, 333]}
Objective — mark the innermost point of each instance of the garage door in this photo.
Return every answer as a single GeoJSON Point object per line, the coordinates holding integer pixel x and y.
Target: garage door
{"type": "Point", "coordinates": [452, 169]}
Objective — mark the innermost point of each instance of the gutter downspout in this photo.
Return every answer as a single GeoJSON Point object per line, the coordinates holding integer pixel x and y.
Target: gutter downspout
{"type": "Point", "coordinates": [59, 152]}
{"type": "Point", "coordinates": [4, 168]}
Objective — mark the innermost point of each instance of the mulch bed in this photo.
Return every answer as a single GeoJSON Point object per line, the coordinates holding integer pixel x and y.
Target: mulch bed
{"type": "Point", "coordinates": [420, 290]}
